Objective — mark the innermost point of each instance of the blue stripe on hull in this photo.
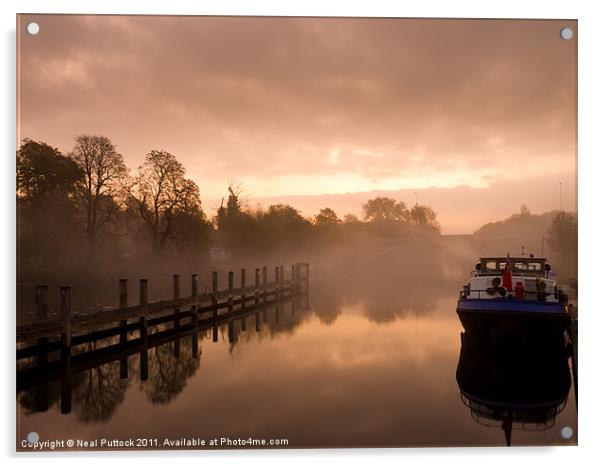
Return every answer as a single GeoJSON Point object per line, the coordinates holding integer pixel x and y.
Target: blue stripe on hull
{"type": "Point", "coordinates": [509, 305]}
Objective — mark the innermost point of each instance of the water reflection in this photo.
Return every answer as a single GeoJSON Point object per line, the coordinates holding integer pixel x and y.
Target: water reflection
{"type": "Point", "coordinates": [93, 387]}
{"type": "Point", "coordinates": [514, 382]}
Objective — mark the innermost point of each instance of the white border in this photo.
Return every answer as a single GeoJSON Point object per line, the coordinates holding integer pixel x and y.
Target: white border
{"type": "Point", "coordinates": [590, 81]}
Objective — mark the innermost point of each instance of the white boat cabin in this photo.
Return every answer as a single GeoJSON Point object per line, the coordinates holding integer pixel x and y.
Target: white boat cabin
{"type": "Point", "coordinates": [532, 279]}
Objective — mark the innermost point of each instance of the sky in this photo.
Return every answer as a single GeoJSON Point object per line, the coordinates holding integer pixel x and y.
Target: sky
{"type": "Point", "coordinates": [319, 109]}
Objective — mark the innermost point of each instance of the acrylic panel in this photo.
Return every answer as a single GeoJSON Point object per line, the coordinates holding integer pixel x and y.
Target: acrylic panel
{"type": "Point", "coordinates": [295, 232]}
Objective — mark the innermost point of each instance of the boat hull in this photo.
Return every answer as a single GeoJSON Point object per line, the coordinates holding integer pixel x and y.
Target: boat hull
{"type": "Point", "coordinates": [513, 316]}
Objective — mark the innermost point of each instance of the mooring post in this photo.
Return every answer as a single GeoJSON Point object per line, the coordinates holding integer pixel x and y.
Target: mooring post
{"type": "Point", "coordinates": [214, 290]}
{"type": "Point", "coordinates": [281, 276]}
{"type": "Point", "coordinates": [143, 328]}
{"type": "Point", "coordinates": [230, 307]}
{"type": "Point", "coordinates": [65, 294]}
{"type": "Point", "coordinates": [214, 284]}
{"type": "Point", "coordinates": [277, 273]}
{"type": "Point", "coordinates": [42, 356]}
{"type": "Point", "coordinates": [42, 315]}
{"type": "Point", "coordinates": [195, 314]}
{"type": "Point", "coordinates": [176, 298]}
{"type": "Point", "coordinates": [257, 279]}
{"type": "Point", "coordinates": [123, 336]}
{"type": "Point", "coordinates": [194, 286]}
{"type": "Point", "coordinates": [264, 282]}
{"type": "Point", "coordinates": [230, 283]}
{"type": "Point", "coordinates": [243, 287]}
{"type": "Point", "coordinates": [143, 308]}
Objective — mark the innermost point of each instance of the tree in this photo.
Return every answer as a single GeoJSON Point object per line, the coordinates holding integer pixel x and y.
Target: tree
{"type": "Point", "coordinates": [161, 192]}
{"type": "Point", "coordinates": [350, 218]}
{"type": "Point", "coordinates": [47, 216]}
{"type": "Point", "coordinates": [524, 211]}
{"type": "Point", "coordinates": [43, 171]}
{"type": "Point", "coordinates": [424, 216]}
{"type": "Point", "coordinates": [104, 172]}
{"type": "Point", "coordinates": [327, 217]}
{"type": "Point", "coordinates": [562, 238]}
{"type": "Point", "coordinates": [385, 208]}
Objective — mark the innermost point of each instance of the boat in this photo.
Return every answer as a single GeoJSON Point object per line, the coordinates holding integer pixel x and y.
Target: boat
{"type": "Point", "coordinates": [510, 386]}
{"type": "Point", "coordinates": [513, 294]}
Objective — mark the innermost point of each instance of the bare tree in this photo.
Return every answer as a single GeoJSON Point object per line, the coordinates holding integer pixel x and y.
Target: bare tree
{"type": "Point", "coordinates": [104, 171]}
{"type": "Point", "coordinates": [160, 191]}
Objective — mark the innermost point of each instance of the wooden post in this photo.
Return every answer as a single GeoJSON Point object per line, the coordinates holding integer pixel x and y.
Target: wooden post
{"type": "Point", "coordinates": [243, 286]}
{"type": "Point", "coordinates": [176, 322]}
{"type": "Point", "coordinates": [230, 282]}
{"type": "Point", "coordinates": [194, 286]}
{"type": "Point", "coordinates": [214, 289]}
{"type": "Point", "coordinates": [42, 315]}
{"type": "Point", "coordinates": [243, 324]}
{"type": "Point", "coordinates": [264, 281]}
{"type": "Point", "coordinates": [214, 284]}
{"type": "Point", "coordinates": [195, 315]}
{"type": "Point", "coordinates": [42, 356]}
{"type": "Point", "coordinates": [277, 273]}
{"type": "Point", "coordinates": [176, 298]}
{"type": "Point", "coordinates": [42, 302]}
{"type": "Point", "coordinates": [257, 279]}
{"type": "Point", "coordinates": [123, 336]}
{"type": "Point", "coordinates": [195, 334]}
{"type": "Point", "coordinates": [230, 307]}
{"type": "Point", "coordinates": [65, 293]}
{"type": "Point", "coordinates": [143, 329]}
{"type": "Point", "coordinates": [257, 322]}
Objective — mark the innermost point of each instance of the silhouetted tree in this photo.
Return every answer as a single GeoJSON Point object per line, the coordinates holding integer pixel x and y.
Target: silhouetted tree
{"type": "Point", "coordinates": [562, 238]}
{"type": "Point", "coordinates": [327, 217]}
{"type": "Point", "coordinates": [424, 216]}
{"type": "Point", "coordinates": [46, 210]}
{"type": "Point", "coordinates": [104, 172]}
{"type": "Point", "coordinates": [385, 208]}
{"type": "Point", "coordinates": [161, 192]}
{"type": "Point", "coordinates": [43, 171]}
{"type": "Point", "coordinates": [350, 218]}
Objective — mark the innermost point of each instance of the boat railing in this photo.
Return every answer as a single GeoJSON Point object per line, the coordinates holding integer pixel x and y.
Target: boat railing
{"type": "Point", "coordinates": [527, 295]}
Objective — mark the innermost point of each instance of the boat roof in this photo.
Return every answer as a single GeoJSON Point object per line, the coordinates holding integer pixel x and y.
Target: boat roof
{"type": "Point", "coordinates": [533, 266]}
{"type": "Point", "coordinates": [513, 259]}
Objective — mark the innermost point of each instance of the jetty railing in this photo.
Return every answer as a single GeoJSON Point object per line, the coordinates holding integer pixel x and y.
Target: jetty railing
{"type": "Point", "coordinates": [72, 329]}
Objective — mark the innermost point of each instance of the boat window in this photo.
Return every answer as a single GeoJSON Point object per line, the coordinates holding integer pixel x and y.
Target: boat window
{"type": "Point", "coordinates": [534, 266]}
{"type": "Point", "coordinates": [520, 266]}
{"type": "Point", "coordinates": [491, 265]}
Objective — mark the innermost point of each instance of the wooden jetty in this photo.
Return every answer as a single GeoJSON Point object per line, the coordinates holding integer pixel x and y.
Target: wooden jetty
{"type": "Point", "coordinates": [135, 329]}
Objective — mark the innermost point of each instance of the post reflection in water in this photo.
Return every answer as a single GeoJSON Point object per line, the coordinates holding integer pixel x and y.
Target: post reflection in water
{"type": "Point", "coordinates": [163, 370]}
{"type": "Point", "coordinates": [513, 382]}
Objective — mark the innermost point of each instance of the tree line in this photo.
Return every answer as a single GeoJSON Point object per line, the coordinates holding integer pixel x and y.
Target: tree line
{"type": "Point", "coordinates": [87, 201]}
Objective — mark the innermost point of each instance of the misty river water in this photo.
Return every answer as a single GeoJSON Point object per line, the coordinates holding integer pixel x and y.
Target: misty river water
{"type": "Point", "coordinates": [367, 361]}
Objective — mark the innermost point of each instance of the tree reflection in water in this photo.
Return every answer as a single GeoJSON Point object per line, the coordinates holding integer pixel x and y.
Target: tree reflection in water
{"type": "Point", "coordinates": [168, 373]}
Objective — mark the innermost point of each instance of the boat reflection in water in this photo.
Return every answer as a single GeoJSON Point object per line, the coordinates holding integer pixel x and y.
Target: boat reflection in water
{"type": "Point", "coordinates": [512, 382]}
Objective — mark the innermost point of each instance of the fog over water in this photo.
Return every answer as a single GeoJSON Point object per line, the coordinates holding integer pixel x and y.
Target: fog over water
{"type": "Point", "coordinates": [371, 362]}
